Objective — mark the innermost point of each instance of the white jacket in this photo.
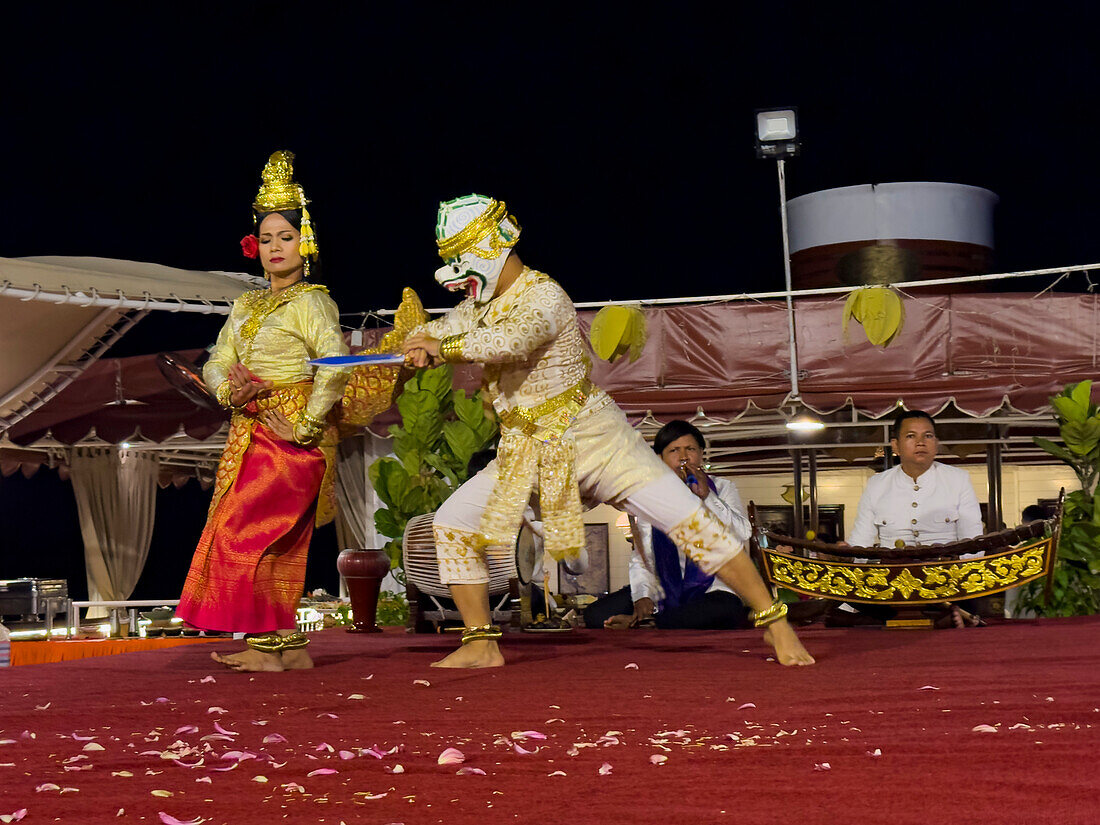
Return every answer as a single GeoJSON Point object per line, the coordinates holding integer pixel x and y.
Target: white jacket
{"type": "Point", "coordinates": [939, 507]}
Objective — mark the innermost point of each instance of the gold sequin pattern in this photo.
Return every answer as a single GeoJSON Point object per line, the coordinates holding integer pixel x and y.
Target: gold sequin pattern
{"type": "Point", "coordinates": [705, 540]}
{"type": "Point", "coordinates": [911, 583]}
{"type": "Point", "coordinates": [259, 303]}
{"type": "Point", "coordinates": [461, 556]}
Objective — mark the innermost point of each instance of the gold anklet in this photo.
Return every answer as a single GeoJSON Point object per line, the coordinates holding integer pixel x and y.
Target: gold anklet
{"type": "Point", "coordinates": [763, 618]}
{"type": "Point", "coordinates": [480, 633]}
{"type": "Point", "coordinates": [295, 641]}
{"type": "Point", "coordinates": [265, 643]}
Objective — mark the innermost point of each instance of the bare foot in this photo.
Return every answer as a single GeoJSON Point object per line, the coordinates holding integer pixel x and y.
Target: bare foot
{"type": "Point", "coordinates": [788, 649]}
{"type": "Point", "coordinates": [297, 659]}
{"type": "Point", "coordinates": [483, 653]}
{"type": "Point", "coordinates": [957, 617]}
{"type": "Point", "coordinates": [249, 660]}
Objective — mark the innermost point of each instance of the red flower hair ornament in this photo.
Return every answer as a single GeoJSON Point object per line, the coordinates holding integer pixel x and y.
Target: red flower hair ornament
{"type": "Point", "coordinates": [250, 246]}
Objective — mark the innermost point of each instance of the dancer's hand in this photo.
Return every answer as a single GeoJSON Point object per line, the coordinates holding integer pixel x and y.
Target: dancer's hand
{"type": "Point", "coordinates": [278, 424]}
{"type": "Point", "coordinates": [643, 609]}
{"type": "Point", "coordinates": [245, 383]}
{"type": "Point", "coordinates": [421, 350]}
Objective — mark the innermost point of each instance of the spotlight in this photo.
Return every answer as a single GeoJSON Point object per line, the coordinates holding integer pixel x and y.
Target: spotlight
{"type": "Point", "coordinates": [777, 133]}
{"type": "Point", "coordinates": [805, 423]}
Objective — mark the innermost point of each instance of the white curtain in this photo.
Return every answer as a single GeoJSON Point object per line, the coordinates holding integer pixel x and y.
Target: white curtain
{"type": "Point", "coordinates": [116, 494]}
{"type": "Point", "coordinates": [354, 492]}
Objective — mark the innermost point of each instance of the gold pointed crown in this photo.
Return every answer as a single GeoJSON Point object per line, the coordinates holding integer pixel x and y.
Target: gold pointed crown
{"type": "Point", "coordinates": [279, 190]}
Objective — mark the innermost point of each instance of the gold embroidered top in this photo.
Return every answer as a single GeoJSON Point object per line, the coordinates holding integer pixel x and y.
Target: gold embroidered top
{"type": "Point", "coordinates": [528, 340]}
{"type": "Point", "coordinates": [275, 335]}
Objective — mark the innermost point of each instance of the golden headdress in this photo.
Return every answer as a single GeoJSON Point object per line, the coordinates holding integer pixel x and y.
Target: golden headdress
{"type": "Point", "coordinates": [280, 192]}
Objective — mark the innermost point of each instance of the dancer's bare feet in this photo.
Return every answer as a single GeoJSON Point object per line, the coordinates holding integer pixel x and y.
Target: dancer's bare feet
{"type": "Point", "coordinates": [297, 659]}
{"type": "Point", "coordinates": [249, 660]}
{"type": "Point", "coordinates": [483, 653]}
{"type": "Point", "coordinates": [788, 649]}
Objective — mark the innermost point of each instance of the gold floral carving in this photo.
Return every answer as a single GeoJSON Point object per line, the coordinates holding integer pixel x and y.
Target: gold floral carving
{"type": "Point", "coordinates": [910, 583]}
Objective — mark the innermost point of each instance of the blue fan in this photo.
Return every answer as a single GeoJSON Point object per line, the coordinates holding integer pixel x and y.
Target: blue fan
{"type": "Point", "coordinates": [357, 360]}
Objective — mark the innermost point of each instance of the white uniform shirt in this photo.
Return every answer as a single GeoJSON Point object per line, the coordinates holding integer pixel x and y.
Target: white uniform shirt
{"type": "Point", "coordinates": [726, 505]}
{"type": "Point", "coordinates": [939, 507]}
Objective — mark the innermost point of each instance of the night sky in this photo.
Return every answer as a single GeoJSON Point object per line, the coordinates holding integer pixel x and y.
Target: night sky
{"type": "Point", "coordinates": [620, 137]}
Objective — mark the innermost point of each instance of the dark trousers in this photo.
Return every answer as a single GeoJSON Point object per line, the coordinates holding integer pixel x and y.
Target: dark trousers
{"type": "Point", "coordinates": [716, 610]}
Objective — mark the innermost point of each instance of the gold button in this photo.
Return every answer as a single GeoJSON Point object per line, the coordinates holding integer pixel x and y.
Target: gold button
{"type": "Point", "coordinates": [916, 533]}
{"type": "Point", "coordinates": [900, 543]}
{"type": "Point", "coordinates": [914, 521]}
{"type": "Point", "coordinates": [947, 520]}
{"type": "Point", "coordinates": [914, 504]}
{"type": "Point", "coordinates": [916, 486]}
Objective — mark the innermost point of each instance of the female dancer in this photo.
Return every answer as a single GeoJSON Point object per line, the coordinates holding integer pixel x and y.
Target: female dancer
{"type": "Point", "coordinates": [249, 568]}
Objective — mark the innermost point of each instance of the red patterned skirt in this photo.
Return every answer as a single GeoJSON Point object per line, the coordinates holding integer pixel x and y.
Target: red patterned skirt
{"type": "Point", "coordinates": [250, 566]}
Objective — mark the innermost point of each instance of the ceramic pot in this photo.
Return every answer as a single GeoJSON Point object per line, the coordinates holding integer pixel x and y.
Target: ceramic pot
{"type": "Point", "coordinates": [363, 570]}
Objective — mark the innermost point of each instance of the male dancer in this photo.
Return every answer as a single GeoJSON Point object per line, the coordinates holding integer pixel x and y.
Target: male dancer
{"type": "Point", "coordinates": [560, 435]}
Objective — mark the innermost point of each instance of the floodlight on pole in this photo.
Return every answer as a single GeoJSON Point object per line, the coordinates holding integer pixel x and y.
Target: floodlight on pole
{"type": "Point", "coordinates": [777, 137]}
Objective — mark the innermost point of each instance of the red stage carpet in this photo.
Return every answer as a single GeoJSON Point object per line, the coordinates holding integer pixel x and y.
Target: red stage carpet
{"type": "Point", "coordinates": [994, 725]}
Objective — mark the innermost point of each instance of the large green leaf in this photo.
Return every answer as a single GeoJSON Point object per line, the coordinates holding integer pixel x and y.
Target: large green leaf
{"type": "Point", "coordinates": [420, 416]}
{"type": "Point", "coordinates": [389, 479]}
{"type": "Point", "coordinates": [1082, 394]}
{"type": "Point", "coordinates": [462, 440]}
{"type": "Point", "coordinates": [438, 381]}
{"type": "Point", "coordinates": [387, 524]}
{"type": "Point", "coordinates": [1055, 450]}
{"type": "Point", "coordinates": [1082, 437]}
{"type": "Point", "coordinates": [438, 463]}
{"type": "Point", "coordinates": [1069, 409]}
{"type": "Point", "coordinates": [469, 411]}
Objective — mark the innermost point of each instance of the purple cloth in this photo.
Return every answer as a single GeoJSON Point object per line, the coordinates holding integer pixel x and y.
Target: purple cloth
{"type": "Point", "coordinates": [679, 588]}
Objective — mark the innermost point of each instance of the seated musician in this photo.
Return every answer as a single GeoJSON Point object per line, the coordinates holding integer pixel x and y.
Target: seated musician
{"type": "Point", "coordinates": [919, 501]}
{"type": "Point", "coordinates": [665, 586]}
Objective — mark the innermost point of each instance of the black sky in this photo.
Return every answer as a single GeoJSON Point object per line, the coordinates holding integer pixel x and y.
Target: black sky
{"type": "Point", "coordinates": [619, 134]}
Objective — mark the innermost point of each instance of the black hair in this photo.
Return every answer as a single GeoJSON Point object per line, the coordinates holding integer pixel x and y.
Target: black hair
{"type": "Point", "coordinates": [905, 415]}
{"type": "Point", "coordinates": [1033, 512]}
{"type": "Point", "coordinates": [478, 461]}
{"type": "Point", "coordinates": [294, 218]}
{"type": "Point", "coordinates": [674, 430]}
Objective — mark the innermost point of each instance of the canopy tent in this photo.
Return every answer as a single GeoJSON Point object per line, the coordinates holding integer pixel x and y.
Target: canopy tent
{"type": "Point", "coordinates": [981, 359]}
{"type": "Point", "coordinates": [61, 314]}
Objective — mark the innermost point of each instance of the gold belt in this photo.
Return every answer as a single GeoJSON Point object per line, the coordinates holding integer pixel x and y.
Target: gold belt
{"type": "Point", "coordinates": [565, 404]}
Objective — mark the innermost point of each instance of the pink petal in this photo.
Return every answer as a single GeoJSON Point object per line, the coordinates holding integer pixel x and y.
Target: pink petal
{"type": "Point", "coordinates": [325, 746]}
{"type": "Point", "coordinates": [983, 729]}
{"type": "Point", "coordinates": [206, 779]}
{"type": "Point", "coordinates": [823, 766]}
{"type": "Point", "coordinates": [80, 738]}
{"type": "Point", "coordinates": [451, 756]}
{"type": "Point", "coordinates": [468, 771]}
{"type": "Point", "coordinates": [605, 769]}
{"type": "Point", "coordinates": [557, 773]}
{"type": "Point", "coordinates": [216, 709]}
{"type": "Point", "coordinates": [272, 738]}
{"type": "Point", "coordinates": [527, 734]}
{"type": "Point", "coordinates": [294, 786]}
{"type": "Point", "coordinates": [329, 715]}
{"type": "Point", "coordinates": [47, 786]}
{"type": "Point", "coordinates": [658, 759]}
{"type": "Point", "coordinates": [746, 705]}
{"type": "Point", "coordinates": [347, 755]}
{"type": "Point", "coordinates": [322, 772]}
{"type": "Point", "coordinates": [182, 764]}
{"type": "Point", "coordinates": [373, 795]}
{"type": "Point", "coordinates": [631, 666]}
{"type": "Point", "coordinates": [220, 729]}
{"type": "Point", "coordinates": [239, 756]}
{"type": "Point", "coordinates": [875, 753]}
{"type": "Point", "coordinates": [161, 699]}
{"type": "Point", "coordinates": [227, 768]}
{"type": "Point", "coordinates": [207, 679]}
{"type": "Point", "coordinates": [928, 687]}
{"type": "Point", "coordinates": [518, 749]}
{"type": "Point", "coordinates": [395, 769]}
{"type": "Point", "coordinates": [171, 820]}
{"type": "Point", "coordinates": [186, 729]}
{"type": "Point", "coordinates": [422, 682]}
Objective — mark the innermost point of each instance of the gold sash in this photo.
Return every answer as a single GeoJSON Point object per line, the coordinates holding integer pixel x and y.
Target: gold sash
{"type": "Point", "coordinates": [534, 451]}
